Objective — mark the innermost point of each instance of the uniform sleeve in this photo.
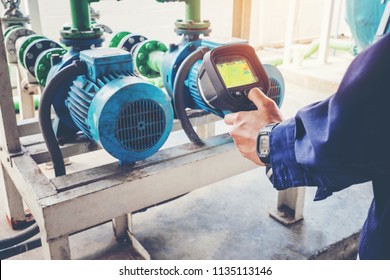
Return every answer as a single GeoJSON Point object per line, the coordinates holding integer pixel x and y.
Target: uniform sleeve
{"type": "Point", "coordinates": [344, 139]}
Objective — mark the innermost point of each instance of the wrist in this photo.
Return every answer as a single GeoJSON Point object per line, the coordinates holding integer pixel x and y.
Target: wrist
{"type": "Point", "coordinates": [263, 143]}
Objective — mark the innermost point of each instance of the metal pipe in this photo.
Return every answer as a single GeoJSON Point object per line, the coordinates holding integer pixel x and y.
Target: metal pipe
{"type": "Point", "coordinates": [335, 44]}
{"type": "Point", "coordinates": [17, 103]}
{"type": "Point", "coordinates": [81, 19]}
{"type": "Point", "coordinates": [155, 60]}
{"type": "Point", "coordinates": [193, 10]}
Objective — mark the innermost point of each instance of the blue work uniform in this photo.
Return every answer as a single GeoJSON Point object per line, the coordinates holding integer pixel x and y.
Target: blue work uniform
{"type": "Point", "coordinates": [344, 140]}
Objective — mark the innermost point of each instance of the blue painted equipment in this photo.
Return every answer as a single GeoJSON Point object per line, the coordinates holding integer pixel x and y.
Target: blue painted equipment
{"type": "Point", "coordinates": [130, 118]}
{"type": "Point", "coordinates": [173, 58]}
{"type": "Point", "coordinates": [363, 18]}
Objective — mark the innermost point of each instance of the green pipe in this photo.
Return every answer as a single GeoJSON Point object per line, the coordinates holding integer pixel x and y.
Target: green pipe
{"type": "Point", "coordinates": [274, 61]}
{"type": "Point", "coordinates": [149, 57]}
{"type": "Point", "coordinates": [193, 10]}
{"type": "Point", "coordinates": [17, 104]}
{"type": "Point", "coordinates": [335, 44]}
{"type": "Point", "coordinates": [81, 18]}
{"type": "Point", "coordinates": [155, 60]}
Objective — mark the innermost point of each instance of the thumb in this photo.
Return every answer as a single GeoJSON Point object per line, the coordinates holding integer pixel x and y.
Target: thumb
{"type": "Point", "coordinates": [258, 97]}
{"type": "Point", "coordinates": [229, 118]}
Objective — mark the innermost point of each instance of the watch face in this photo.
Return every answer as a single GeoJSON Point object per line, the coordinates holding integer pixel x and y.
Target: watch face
{"type": "Point", "coordinates": [264, 146]}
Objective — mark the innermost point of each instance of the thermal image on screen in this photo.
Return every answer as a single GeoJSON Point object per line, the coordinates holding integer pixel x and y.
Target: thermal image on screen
{"type": "Point", "coordinates": [236, 73]}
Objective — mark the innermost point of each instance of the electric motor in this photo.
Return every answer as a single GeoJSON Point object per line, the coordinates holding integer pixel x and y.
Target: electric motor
{"type": "Point", "coordinates": [130, 118]}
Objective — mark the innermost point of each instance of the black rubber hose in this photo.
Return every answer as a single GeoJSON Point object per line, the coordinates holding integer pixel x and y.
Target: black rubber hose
{"type": "Point", "coordinates": [60, 80]}
{"type": "Point", "coordinates": [20, 237]}
{"type": "Point", "coordinates": [20, 248]}
{"type": "Point", "coordinates": [178, 94]}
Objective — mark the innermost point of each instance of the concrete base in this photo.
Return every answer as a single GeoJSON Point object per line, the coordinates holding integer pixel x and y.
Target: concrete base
{"type": "Point", "coordinates": [229, 220]}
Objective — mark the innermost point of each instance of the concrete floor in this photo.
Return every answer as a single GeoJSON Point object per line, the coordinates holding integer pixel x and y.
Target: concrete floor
{"type": "Point", "coordinates": [229, 219]}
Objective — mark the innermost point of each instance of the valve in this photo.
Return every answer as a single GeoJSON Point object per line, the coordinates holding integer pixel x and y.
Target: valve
{"type": "Point", "coordinates": [12, 14]}
{"type": "Point", "coordinates": [81, 34]}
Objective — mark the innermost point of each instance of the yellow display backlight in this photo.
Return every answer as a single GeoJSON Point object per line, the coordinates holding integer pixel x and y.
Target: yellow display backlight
{"type": "Point", "coordinates": [236, 73]}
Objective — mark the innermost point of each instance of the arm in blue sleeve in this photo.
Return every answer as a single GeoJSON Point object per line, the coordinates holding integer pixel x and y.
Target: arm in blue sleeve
{"type": "Point", "coordinates": [344, 139]}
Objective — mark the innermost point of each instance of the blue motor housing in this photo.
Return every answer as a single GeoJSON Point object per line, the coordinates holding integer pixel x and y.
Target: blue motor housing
{"type": "Point", "coordinates": [173, 59]}
{"type": "Point", "coordinates": [130, 118]}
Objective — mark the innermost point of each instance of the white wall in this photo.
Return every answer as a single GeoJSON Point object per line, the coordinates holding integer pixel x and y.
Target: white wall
{"type": "Point", "coordinates": [147, 17]}
{"type": "Point", "coordinates": [269, 20]}
{"type": "Point", "coordinates": [156, 20]}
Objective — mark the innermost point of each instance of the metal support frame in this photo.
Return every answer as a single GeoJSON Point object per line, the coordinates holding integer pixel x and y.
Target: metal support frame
{"type": "Point", "coordinates": [12, 199]}
{"type": "Point", "coordinates": [289, 206]}
{"type": "Point", "coordinates": [8, 135]}
{"type": "Point", "coordinates": [9, 140]}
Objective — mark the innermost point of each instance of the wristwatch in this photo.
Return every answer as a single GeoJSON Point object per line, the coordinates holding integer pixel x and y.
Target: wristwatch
{"type": "Point", "coordinates": [263, 143]}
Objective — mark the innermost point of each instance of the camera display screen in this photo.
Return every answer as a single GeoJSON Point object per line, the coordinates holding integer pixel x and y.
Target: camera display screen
{"type": "Point", "coordinates": [236, 72]}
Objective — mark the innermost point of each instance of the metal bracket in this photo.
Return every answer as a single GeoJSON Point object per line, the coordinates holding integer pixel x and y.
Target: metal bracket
{"type": "Point", "coordinates": [290, 206]}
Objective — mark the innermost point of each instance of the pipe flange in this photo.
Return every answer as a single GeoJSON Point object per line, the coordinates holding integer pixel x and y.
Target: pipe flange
{"type": "Point", "coordinates": [129, 42]}
{"type": "Point", "coordinates": [192, 28]}
{"type": "Point", "coordinates": [34, 50]}
{"type": "Point", "coordinates": [27, 41]}
{"type": "Point", "coordinates": [43, 64]}
{"type": "Point", "coordinates": [114, 43]}
{"type": "Point", "coordinates": [12, 35]}
{"type": "Point", "coordinates": [141, 54]}
{"type": "Point", "coordinates": [82, 44]}
{"type": "Point", "coordinates": [8, 29]}
{"type": "Point", "coordinates": [70, 33]}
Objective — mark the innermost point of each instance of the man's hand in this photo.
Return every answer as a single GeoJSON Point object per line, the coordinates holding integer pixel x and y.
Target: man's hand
{"type": "Point", "coordinates": [246, 125]}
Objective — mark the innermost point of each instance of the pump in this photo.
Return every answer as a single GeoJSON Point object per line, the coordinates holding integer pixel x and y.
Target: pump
{"type": "Point", "coordinates": [130, 118]}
